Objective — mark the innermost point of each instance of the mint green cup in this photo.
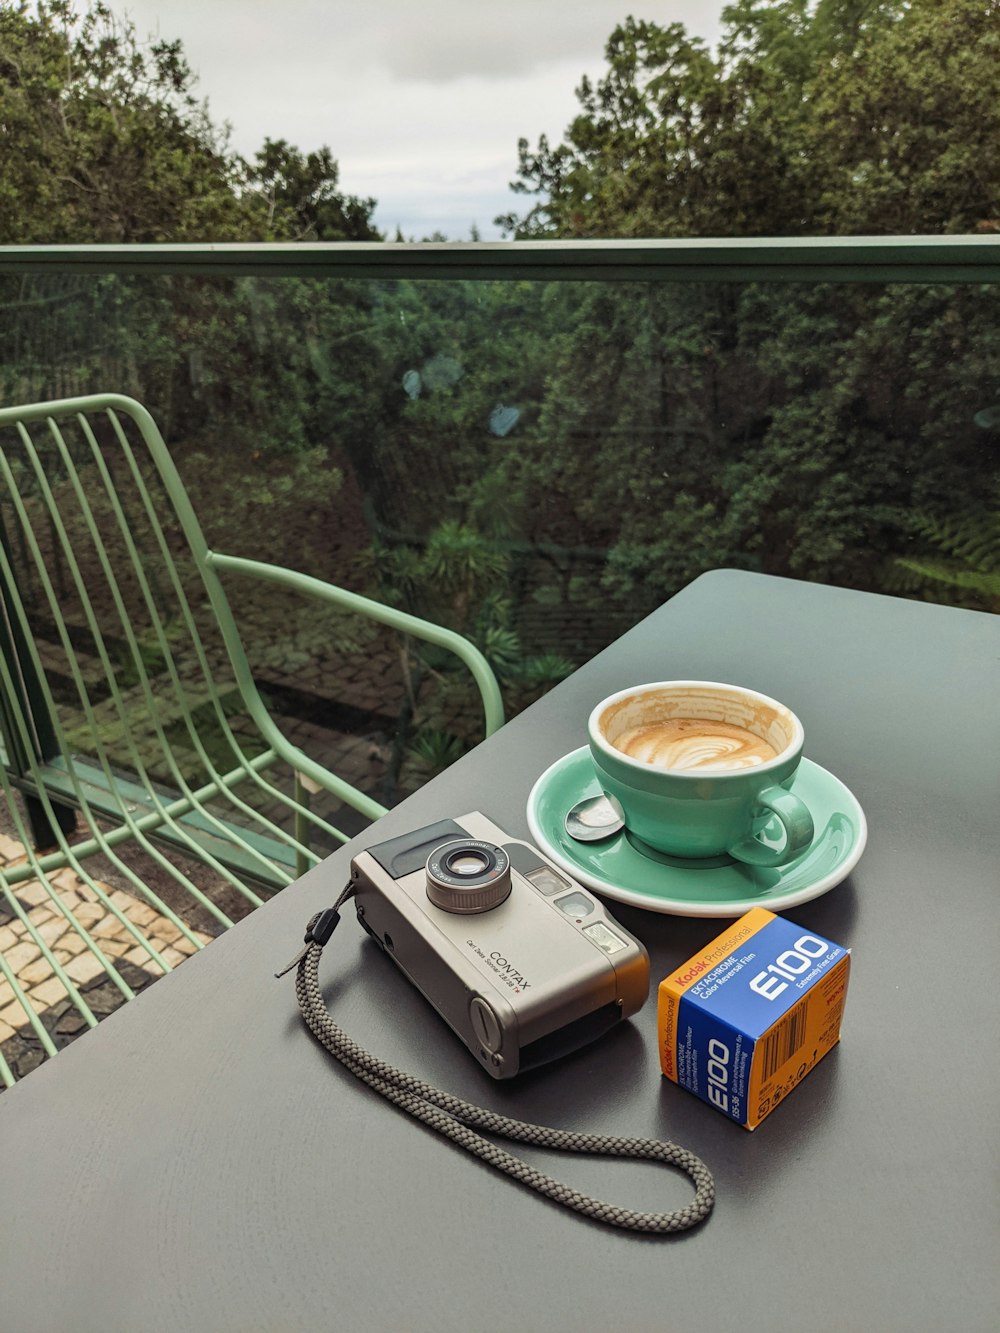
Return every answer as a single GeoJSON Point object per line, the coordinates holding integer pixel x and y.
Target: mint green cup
{"type": "Point", "coordinates": [745, 812]}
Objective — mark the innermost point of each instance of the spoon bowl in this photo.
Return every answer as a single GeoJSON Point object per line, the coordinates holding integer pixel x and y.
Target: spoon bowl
{"type": "Point", "coordinates": [594, 818]}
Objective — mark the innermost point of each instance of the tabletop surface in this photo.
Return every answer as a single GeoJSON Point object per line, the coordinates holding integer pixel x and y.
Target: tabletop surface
{"type": "Point", "coordinates": [198, 1162]}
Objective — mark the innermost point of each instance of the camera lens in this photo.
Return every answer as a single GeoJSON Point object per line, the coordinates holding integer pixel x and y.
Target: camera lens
{"type": "Point", "coordinates": [464, 863]}
{"type": "Point", "coordinates": [468, 876]}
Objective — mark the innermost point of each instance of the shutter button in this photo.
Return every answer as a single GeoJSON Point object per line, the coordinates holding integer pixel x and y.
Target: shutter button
{"type": "Point", "coordinates": [485, 1025]}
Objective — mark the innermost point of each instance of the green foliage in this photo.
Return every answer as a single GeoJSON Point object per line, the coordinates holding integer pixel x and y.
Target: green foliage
{"type": "Point", "coordinates": [836, 117]}
{"type": "Point", "coordinates": [150, 659]}
{"type": "Point", "coordinates": [893, 148]}
{"type": "Point", "coordinates": [251, 510]}
{"type": "Point", "coordinates": [102, 139]}
{"type": "Point", "coordinates": [969, 571]}
{"type": "Point", "coordinates": [502, 649]}
{"type": "Point", "coordinates": [299, 195]}
{"type": "Point", "coordinates": [542, 672]}
{"type": "Point", "coordinates": [788, 429]}
{"type": "Point", "coordinates": [432, 751]}
{"type": "Point", "coordinates": [461, 566]}
{"type": "Point", "coordinates": [447, 580]}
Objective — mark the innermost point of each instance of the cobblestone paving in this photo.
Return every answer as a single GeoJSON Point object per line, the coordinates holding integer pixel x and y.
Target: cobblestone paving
{"type": "Point", "coordinates": [48, 996]}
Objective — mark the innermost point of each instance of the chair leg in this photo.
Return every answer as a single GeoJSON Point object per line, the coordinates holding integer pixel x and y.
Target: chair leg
{"type": "Point", "coordinates": [43, 834]}
{"type": "Point", "coordinates": [303, 794]}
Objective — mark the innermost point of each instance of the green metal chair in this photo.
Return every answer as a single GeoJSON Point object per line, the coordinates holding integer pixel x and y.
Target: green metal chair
{"type": "Point", "coordinates": [137, 747]}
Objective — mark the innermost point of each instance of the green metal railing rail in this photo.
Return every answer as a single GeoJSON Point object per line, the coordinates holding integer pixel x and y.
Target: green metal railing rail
{"type": "Point", "coordinates": [793, 259]}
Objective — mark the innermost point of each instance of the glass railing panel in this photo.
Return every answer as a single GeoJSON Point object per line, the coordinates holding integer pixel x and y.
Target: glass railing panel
{"type": "Point", "coordinates": [536, 463]}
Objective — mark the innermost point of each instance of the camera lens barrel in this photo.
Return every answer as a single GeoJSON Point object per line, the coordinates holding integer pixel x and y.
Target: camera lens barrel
{"type": "Point", "coordinates": [468, 876]}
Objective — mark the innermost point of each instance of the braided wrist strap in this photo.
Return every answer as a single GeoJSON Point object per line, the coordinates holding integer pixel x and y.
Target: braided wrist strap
{"type": "Point", "coordinates": [455, 1118]}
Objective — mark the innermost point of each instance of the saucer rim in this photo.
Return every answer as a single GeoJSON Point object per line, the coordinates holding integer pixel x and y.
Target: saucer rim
{"type": "Point", "coordinates": [732, 907]}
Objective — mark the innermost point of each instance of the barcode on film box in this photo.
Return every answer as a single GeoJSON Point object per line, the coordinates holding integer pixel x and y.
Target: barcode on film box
{"type": "Point", "coordinates": [742, 1023]}
{"type": "Point", "coordinates": [782, 1042]}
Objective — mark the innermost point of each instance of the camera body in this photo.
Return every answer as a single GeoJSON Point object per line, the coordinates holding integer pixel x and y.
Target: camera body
{"type": "Point", "coordinates": [519, 960]}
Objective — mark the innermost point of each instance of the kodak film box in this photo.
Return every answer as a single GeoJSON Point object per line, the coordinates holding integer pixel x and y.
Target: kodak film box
{"type": "Point", "coordinates": [743, 1022]}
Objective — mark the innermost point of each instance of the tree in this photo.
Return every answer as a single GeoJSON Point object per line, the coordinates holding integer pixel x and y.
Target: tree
{"type": "Point", "coordinates": [794, 429]}
{"type": "Point", "coordinates": [836, 117]}
{"type": "Point", "coordinates": [103, 140]}
{"type": "Point", "coordinates": [629, 164]}
{"type": "Point", "coordinates": [904, 130]}
{"type": "Point", "coordinates": [299, 196]}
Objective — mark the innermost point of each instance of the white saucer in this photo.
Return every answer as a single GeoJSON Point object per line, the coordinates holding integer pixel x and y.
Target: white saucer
{"type": "Point", "coordinates": [618, 870]}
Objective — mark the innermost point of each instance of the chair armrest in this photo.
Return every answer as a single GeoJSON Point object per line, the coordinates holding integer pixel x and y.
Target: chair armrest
{"type": "Point", "coordinates": [402, 621]}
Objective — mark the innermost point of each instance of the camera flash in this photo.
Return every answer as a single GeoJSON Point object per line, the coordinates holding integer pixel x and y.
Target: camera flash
{"type": "Point", "coordinates": [604, 939]}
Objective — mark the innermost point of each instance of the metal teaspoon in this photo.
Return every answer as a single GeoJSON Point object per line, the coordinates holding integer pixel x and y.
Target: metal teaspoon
{"type": "Point", "coordinates": [594, 818]}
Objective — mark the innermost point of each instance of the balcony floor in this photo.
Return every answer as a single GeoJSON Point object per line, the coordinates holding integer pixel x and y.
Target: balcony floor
{"type": "Point", "coordinates": [18, 1043]}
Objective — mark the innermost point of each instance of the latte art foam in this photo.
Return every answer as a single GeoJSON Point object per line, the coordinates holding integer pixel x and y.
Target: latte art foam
{"type": "Point", "coordinates": [687, 743]}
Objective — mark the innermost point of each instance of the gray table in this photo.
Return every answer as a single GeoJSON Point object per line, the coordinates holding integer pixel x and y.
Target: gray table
{"type": "Point", "coordinates": [197, 1162]}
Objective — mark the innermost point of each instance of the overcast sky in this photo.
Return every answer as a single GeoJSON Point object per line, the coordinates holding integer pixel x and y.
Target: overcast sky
{"type": "Point", "coordinates": [422, 105]}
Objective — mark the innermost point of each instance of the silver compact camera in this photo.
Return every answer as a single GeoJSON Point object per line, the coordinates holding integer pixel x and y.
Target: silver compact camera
{"type": "Point", "coordinates": [517, 958]}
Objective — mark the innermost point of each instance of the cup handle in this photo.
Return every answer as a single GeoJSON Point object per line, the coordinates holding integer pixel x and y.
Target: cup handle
{"type": "Point", "coordinates": [796, 821]}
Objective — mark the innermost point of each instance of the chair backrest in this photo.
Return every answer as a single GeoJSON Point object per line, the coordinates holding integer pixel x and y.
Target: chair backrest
{"type": "Point", "coordinates": [120, 640]}
{"type": "Point", "coordinates": [115, 706]}
{"type": "Point", "coordinates": [117, 639]}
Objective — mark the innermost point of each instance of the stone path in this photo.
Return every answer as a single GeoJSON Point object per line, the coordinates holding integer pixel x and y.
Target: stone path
{"type": "Point", "coordinates": [19, 1044]}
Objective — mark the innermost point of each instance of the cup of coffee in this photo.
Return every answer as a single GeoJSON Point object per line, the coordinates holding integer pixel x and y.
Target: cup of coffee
{"type": "Point", "coordinates": [702, 769]}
